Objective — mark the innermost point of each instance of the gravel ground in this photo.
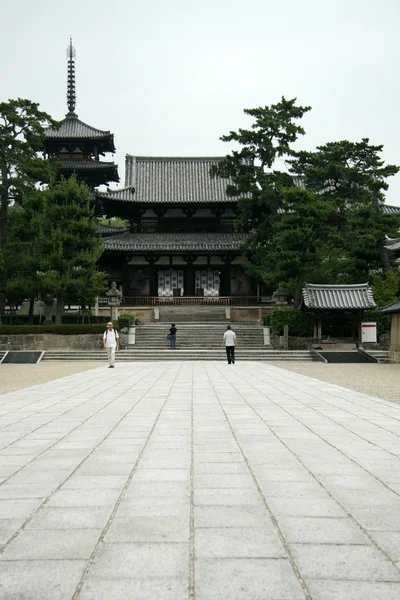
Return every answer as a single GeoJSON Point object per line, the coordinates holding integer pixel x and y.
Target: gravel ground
{"type": "Point", "coordinates": [17, 377]}
{"type": "Point", "coordinates": [382, 381]}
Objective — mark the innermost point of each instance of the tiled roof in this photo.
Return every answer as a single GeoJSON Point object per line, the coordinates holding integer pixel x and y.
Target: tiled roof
{"type": "Point", "coordinates": [391, 308]}
{"type": "Point", "coordinates": [168, 242]}
{"type": "Point", "coordinates": [76, 165]}
{"type": "Point", "coordinates": [174, 180]}
{"type": "Point", "coordinates": [350, 297]}
{"type": "Point", "coordinates": [392, 243]}
{"type": "Point", "coordinates": [108, 230]}
{"type": "Point", "coordinates": [121, 195]}
{"type": "Point", "coordinates": [388, 209]}
{"type": "Point", "coordinates": [72, 127]}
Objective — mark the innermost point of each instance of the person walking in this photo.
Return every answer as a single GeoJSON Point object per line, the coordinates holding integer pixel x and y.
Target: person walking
{"type": "Point", "coordinates": [172, 336]}
{"type": "Point", "coordinates": [230, 342]}
{"type": "Point", "coordinates": [110, 343]}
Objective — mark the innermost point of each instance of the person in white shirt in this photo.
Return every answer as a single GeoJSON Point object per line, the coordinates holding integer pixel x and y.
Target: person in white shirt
{"type": "Point", "coordinates": [110, 342]}
{"type": "Point", "coordinates": [230, 342]}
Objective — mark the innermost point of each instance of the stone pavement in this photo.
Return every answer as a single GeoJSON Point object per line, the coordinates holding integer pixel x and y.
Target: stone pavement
{"type": "Point", "coordinates": [200, 480]}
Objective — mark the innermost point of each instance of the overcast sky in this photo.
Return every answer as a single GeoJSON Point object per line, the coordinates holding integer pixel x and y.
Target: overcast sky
{"type": "Point", "coordinates": [169, 77]}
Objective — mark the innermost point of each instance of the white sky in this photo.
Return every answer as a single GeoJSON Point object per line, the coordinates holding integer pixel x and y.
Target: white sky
{"type": "Point", "coordinates": [169, 77]}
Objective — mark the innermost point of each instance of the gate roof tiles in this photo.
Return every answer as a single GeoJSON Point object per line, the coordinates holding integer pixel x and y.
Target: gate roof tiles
{"type": "Point", "coordinates": [343, 297]}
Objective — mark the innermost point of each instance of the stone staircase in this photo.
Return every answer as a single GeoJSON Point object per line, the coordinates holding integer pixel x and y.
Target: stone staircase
{"type": "Point", "coordinates": [381, 356]}
{"type": "Point", "coordinates": [152, 354]}
{"type": "Point", "coordinates": [197, 336]}
{"type": "Point", "coordinates": [195, 341]}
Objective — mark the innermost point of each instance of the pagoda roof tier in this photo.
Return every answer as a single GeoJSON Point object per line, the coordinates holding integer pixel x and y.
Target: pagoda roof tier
{"type": "Point", "coordinates": [72, 128]}
{"type": "Point", "coordinates": [92, 171]}
{"type": "Point", "coordinates": [389, 209]}
{"type": "Point", "coordinates": [338, 297]}
{"type": "Point", "coordinates": [126, 194]}
{"type": "Point", "coordinates": [392, 244]}
{"type": "Point", "coordinates": [175, 242]}
{"type": "Point", "coordinates": [109, 230]}
{"type": "Point", "coordinates": [174, 180]}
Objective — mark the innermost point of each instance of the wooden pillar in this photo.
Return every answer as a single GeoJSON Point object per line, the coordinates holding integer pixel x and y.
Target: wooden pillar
{"type": "Point", "coordinates": [226, 277]}
{"type": "Point", "coordinates": [125, 276]}
{"type": "Point", "coordinates": [319, 329]}
{"type": "Point", "coordinates": [153, 280]}
{"type": "Point", "coordinates": [189, 287]}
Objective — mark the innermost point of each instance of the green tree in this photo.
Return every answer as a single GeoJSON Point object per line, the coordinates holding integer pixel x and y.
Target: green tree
{"type": "Point", "coordinates": [320, 222]}
{"type": "Point", "coordinates": [296, 244]}
{"type": "Point", "coordinates": [69, 244]}
{"type": "Point", "coordinates": [354, 175]}
{"type": "Point", "coordinates": [22, 131]}
{"type": "Point", "coordinates": [249, 170]}
{"type": "Point", "coordinates": [386, 287]}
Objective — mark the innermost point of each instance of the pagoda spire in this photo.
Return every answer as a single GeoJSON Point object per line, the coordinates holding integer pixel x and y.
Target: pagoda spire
{"type": "Point", "coordinates": [71, 94]}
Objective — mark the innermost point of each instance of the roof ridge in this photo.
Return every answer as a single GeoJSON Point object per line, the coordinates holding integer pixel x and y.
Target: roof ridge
{"type": "Point", "coordinates": [175, 158]}
{"type": "Point", "coordinates": [336, 285]}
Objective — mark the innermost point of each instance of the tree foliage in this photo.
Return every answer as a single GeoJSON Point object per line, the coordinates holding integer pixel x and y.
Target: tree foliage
{"type": "Point", "coordinates": [22, 129]}
{"type": "Point", "coordinates": [322, 221]}
{"type": "Point", "coordinates": [69, 245]}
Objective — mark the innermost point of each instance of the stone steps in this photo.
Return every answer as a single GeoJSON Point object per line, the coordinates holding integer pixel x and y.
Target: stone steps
{"type": "Point", "coordinates": [200, 336]}
{"type": "Point", "coordinates": [130, 355]}
{"type": "Point", "coordinates": [382, 356]}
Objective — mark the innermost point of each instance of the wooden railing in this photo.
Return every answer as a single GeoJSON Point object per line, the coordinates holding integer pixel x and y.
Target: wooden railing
{"type": "Point", "coordinates": [191, 300]}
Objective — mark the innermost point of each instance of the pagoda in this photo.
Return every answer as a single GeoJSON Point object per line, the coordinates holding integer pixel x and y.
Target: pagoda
{"type": "Point", "coordinates": [79, 146]}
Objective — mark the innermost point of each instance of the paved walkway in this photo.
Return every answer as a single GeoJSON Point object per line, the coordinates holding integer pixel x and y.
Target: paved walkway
{"type": "Point", "coordinates": [203, 481]}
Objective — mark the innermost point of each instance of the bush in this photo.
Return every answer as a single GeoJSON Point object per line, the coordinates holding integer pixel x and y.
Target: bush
{"type": "Point", "coordinates": [76, 329]}
{"type": "Point", "coordinates": [300, 323]}
{"type": "Point", "coordinates": [68, 319]}
{"type": "Point", "coordinates": [125, 321]}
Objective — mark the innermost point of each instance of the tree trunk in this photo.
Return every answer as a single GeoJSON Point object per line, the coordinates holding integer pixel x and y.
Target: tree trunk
{"type": "Point", "coordinates": [59, 309]}
{"type": "Point", "coordinates": [298, 291]}
{"type": "Point", "coordinates": [31, 309]}
{"type": "Point", "coordinates": [383, 253]}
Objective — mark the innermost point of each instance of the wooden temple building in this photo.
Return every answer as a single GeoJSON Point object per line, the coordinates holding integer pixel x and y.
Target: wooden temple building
{"type": "Point", "coordinates": [181, 242]}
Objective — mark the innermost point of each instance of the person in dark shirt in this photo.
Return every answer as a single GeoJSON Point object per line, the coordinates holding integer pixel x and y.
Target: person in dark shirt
{"type": "Point", "coordinates": [172, 336]}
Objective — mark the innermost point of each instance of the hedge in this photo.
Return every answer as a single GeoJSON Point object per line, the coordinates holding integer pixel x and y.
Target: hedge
{"type": "Point", "coordinates": [76, 329]}
{"type": "Point", "coordinates": [125, 320]}
{"type": "Point", "coordinates": [301, 324]}
{"type": "Point", "coordinates": [68, 319]}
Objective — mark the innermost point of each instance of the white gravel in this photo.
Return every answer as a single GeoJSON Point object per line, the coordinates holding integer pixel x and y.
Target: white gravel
{"type": "Point", "coordinates": [382, 381]}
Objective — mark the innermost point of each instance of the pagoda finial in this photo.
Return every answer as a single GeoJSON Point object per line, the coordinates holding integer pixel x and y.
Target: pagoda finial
{"type": "Point", "coordinates": [71, 94]}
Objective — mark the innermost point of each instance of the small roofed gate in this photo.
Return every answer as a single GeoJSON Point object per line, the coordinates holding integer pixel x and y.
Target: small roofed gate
{"type": "Point", "coordinates": [337, 305]}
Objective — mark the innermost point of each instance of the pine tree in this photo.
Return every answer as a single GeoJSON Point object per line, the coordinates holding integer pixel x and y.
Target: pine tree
{"type": "Point", "coordinates": [69, 244]}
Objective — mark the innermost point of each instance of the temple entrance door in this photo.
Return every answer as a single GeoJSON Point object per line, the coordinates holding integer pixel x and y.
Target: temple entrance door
{"type": "Point", "coordinates": [170, 283]}
{"type": "Point", "coordinates": [207, 282]}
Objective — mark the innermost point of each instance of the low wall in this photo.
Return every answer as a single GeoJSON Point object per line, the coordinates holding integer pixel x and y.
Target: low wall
{"type": "Point", "coordinates": [244, 313]}
{"type": "Point", "coordinates": [51, 341]}
{"type": "Point", "coordinates": [394, 357]}
{"type": "Point", "coordinates": [146, 315]}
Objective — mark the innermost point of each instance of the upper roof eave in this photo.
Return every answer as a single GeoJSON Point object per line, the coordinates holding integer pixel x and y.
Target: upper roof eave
{"type": "Point", "coordinates": [73, 128]}
{"type": "Point", "coordinates": [338, 297]}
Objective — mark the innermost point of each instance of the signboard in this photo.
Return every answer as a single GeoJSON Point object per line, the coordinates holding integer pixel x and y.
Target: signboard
{"type": "Point", "coordinates": [368, 332]}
